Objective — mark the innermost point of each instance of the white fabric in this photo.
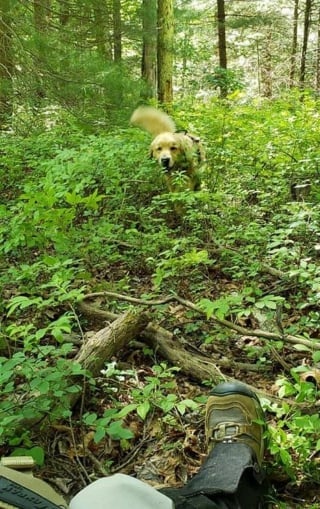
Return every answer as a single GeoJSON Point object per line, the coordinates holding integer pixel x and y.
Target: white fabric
{"type": "Point", "coordinates": [120, 491]}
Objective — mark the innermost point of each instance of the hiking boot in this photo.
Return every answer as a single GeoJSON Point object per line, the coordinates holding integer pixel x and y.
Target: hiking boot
{"type": "Point", "coordinates": [19, 489]}
{"type": "Point", "coordinates": [234, 414]}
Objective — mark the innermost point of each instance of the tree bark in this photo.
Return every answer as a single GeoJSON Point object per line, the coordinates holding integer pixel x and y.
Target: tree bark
{"type": "Point", "coordinates": [306, 31]}
{"type": "Point", "coordinates": [318, 55]}
{"type": "Point", "coordinates": [107, 342]}
{"type": "Point", "coordinates": [294, 47]}
{"type": "Point", "coordinates": [117, 31]}
{"type": "Point", "coordinates": [165, 21]}
{"type": "Point", "coordinates": [103, 345]}
{"type": "Point", "coordinates": [222, 45]}
{"type": "Point", "coordinates": [266, 68]}
{"type": "Point", "coordinates": [6, 63]}
{"type": "Point", "coordinates": [41, 10]}
{"type": "Point", "coordinates": [149, 50]}
{"type": "Point", "coordinates": [102, 30]}
{"type": "Point", "coordinates": [193, 364]}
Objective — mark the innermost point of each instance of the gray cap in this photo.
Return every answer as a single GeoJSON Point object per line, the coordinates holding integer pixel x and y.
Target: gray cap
{"type": "Point", "coordinates": [122, 492]}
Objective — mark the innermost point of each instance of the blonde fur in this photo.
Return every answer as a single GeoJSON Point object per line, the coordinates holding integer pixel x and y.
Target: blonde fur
{"type": "Point", "coordinates": [152, 120]}
{"type": "Point", "coordinates": [175, 152]}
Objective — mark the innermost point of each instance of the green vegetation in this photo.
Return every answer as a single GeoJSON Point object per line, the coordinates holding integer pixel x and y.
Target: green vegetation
{"type": "Point", "coordinates": [85, 213]}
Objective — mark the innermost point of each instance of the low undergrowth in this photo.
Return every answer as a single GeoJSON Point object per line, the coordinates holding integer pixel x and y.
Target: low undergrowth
{"type": "Point", "coordinates": [86, 213]}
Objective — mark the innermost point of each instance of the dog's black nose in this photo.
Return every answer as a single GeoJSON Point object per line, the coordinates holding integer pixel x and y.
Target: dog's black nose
{"type": "Point", "coordinates": [165, 161]}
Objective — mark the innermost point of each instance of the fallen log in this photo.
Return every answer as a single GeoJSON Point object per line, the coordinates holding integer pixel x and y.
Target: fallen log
{"type": "Point", "coordinates": [311, 343]}
{"type": "Point", "coordinates": [93, 355]}
{"type": "Point", "coordinates": [193, 364]}
{"type": "Point", "coordinates": [105, 343]}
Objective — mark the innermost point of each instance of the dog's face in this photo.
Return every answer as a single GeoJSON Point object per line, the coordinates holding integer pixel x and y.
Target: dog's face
{"type": "Point", "coordinates": [167, 149]}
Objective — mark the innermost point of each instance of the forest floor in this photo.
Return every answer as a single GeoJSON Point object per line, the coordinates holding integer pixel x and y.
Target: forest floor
{"type": "Point", "coordinates": [87, 214]}
{"type": "Point", "coordinates": [167, 450]}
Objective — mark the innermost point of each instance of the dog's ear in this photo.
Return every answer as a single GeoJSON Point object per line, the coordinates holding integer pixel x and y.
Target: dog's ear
{"type": "Point", "coordinates": [185, 146]}
{"type": "Point", "coordinates": [151, 150]}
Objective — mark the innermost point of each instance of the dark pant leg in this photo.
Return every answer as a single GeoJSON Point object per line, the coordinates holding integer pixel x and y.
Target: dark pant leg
{"type": "Point", "coordinates": [196, 502]}
{"type": "Point", "coordinates": [229, 479]}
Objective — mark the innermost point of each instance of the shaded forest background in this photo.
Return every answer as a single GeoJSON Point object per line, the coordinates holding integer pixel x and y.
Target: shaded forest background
{"type": "Point", "coordinates": [92, 252]}
{"type": "Point", "coordinates": [97, 61]}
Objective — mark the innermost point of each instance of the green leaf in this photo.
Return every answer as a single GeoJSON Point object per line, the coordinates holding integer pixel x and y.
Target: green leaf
{"type": "Point", "coordinates": [143, 410]}
{"type": "Point", "coordinates": [99, 434]}
{"type": "Point", "coordinates": [90, 419]}
{"type": "Point", "coordinates": [43, 387]}
{"type": "Point", "coordinates": [207, 306]}
{"type": "Point", "coordinates": [37, 453]}
{"type": "Point", "coordinates": [126, 410]}
{"type": "Point", "coordinates": [301, 348]}
{"type": "Point", "coordinates": [316, 356]}
{"type": "Point", "coordinates": [117, 432]}
{"type": "Point", "coordinates": [22, 302]}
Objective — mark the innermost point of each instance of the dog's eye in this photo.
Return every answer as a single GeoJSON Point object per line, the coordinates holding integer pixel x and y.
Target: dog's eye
{"type": "Point", "coordinates": [158, 149]}
{"type": "Point", "coordinates": [173, 149]}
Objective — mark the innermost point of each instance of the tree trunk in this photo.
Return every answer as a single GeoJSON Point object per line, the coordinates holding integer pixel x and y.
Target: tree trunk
{"type": "Point", "coordinates": [222, 45]}
{"type": "Point", "coordinates": [41, 10]}
{"type": "Point", "coordinates": [64, 12]}
{"type": "Point", "coordinates": [294, 47]}
{"type": "Point", "coordinates": [102, 30]}
{"type": "Point", "coordinates": [306, 30]}
{"type": "Point", "coordinates": [149, 50]}
{"type": "Point", "coordinates": [318, 55]}
{"type": "Point", "coordinates": [6, 63]}
{"type": "Point", "coordinates": [266, 67]}
{"type": "Point", "coordinates": [165, 50]}
{"type": "Point", "coordinates": [117, 31]}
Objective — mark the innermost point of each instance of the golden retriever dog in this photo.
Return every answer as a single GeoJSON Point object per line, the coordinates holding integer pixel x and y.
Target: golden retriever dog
{"type": "Point", "coordinates": [179, 154]}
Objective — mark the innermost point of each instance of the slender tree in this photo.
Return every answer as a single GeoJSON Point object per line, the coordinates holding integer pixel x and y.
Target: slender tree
{"type": "Point", "coordinates": [266, 67]}
{"type": "Point", "coordinates": [306, 31]}
{"type": "Point", "coordinates": [6, 61]}
{"type": "Point", "coordinates": [149, 50]}
{"type": "Point", "coordinates": [294, 44]}
{"type": "Point", "coordinates": [222, 45]}
{"type": "Point", "coordinates": [117, 31]}
{"type": "Point", "coordinates": [64, 10]}
{"type": "Point", "coordinates": [41, 15]}
{"type": "Point", "coordinates": [318, 54]}
{"type": "Point", "coordinates": [165, 23]}
{"type": "Point", "coordinates": [102, 30]}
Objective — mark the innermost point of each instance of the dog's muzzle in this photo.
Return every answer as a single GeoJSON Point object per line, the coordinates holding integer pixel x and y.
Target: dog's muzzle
{"type": "Point", "coordinates": [165, 163]}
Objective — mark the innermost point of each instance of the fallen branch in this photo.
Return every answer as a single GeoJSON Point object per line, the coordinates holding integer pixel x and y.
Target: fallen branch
{"type": "Point", "coordinates": [193, 364]}
{"type": "Point", "coordinates": [312, 344]}
{"type": "Point", "coordinates": [264, 266]}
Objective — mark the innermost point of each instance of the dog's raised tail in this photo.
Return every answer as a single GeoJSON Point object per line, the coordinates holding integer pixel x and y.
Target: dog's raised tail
{"type": "Point", "coordinates": [152, 120]}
